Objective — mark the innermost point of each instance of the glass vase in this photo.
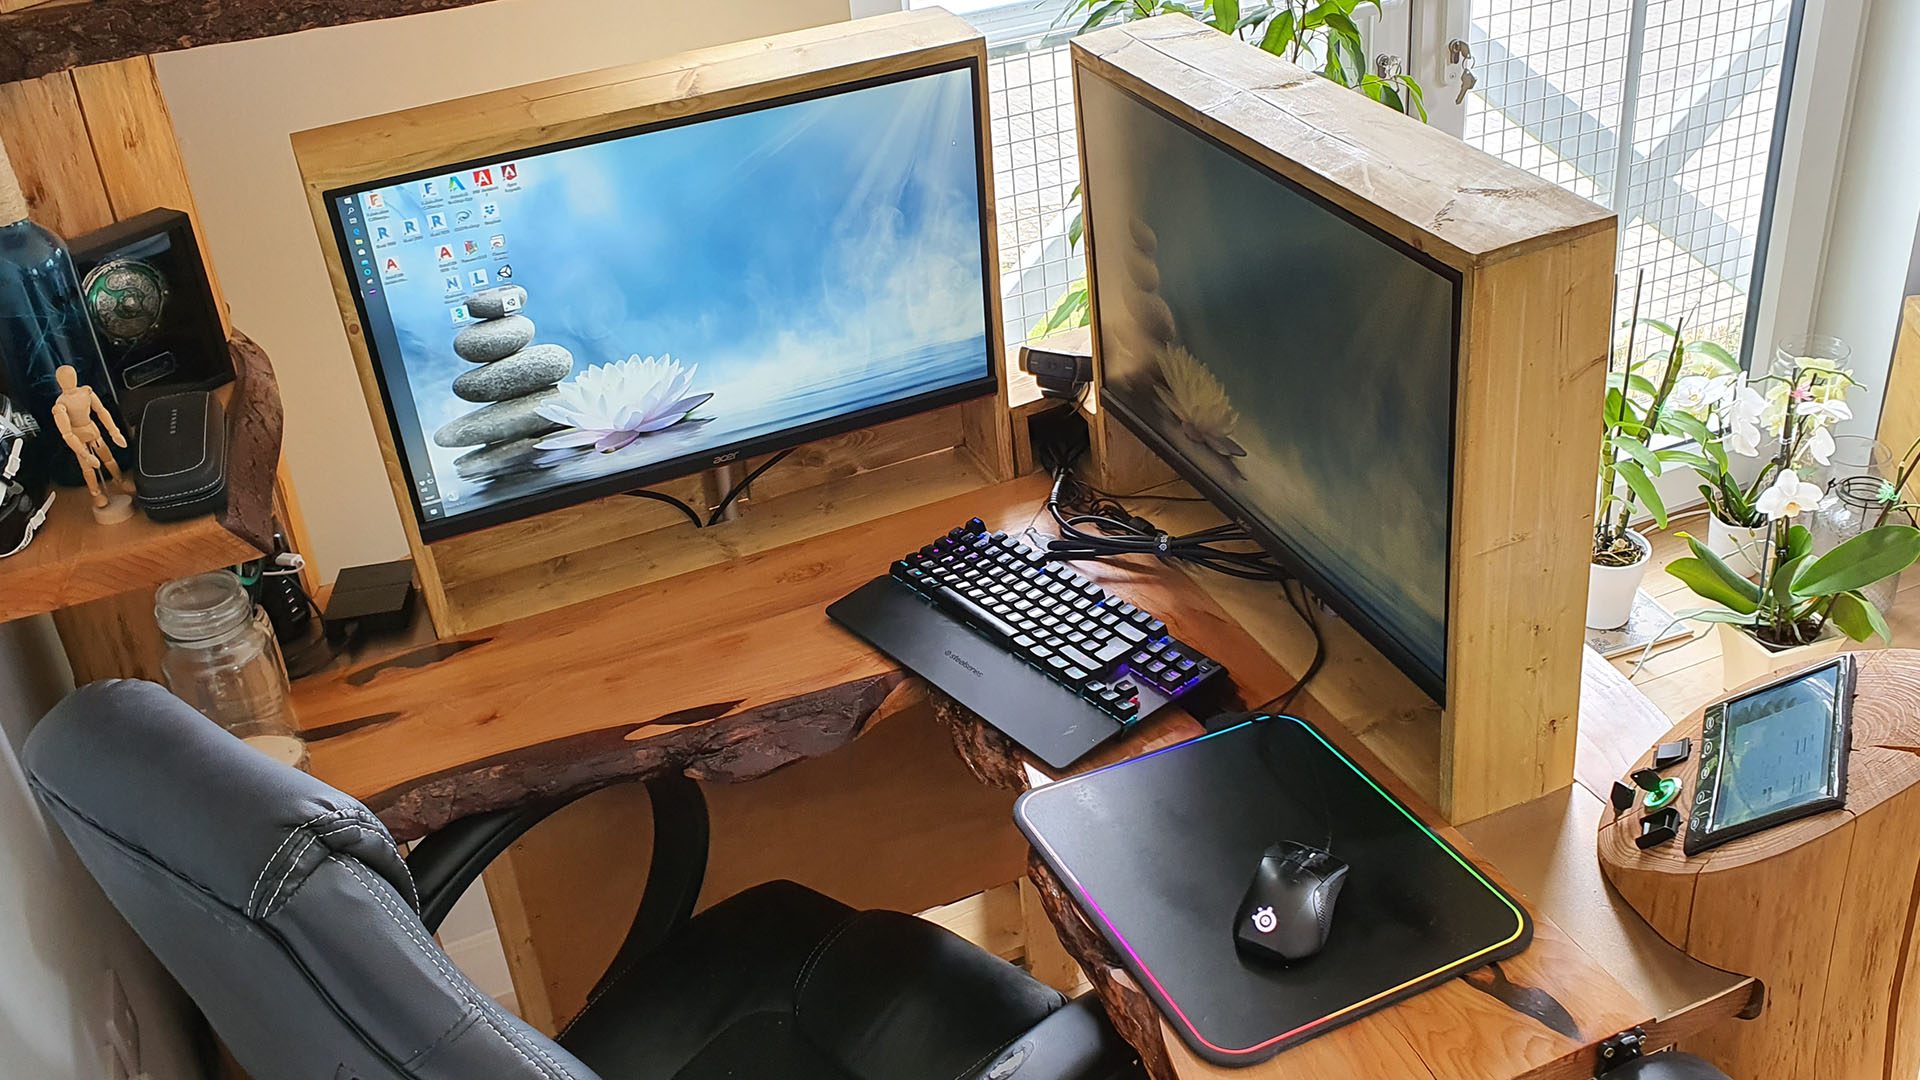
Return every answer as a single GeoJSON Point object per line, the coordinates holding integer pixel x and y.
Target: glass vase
{"type": "Point", "coordinates": [1852, 507]}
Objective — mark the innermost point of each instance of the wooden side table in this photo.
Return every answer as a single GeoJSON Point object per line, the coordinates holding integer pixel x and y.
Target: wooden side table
{"type": "Point", "coordinates": [1821, 910]}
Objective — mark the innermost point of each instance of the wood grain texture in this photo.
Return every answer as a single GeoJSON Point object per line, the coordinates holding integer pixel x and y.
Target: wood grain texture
{"type": "Point", "coordinates": [74, 560]}
{"type": "Point", "coordinates": [1821, 910]}
{"type": "Point", "coordinates": [593, 549]}
{"type": "Point", "coordinates": [1900, 408]}
{"type": "Point", "coordinates": [1535, 265]}
{"type": "Point", "coordinates": [46, 135]}
{"type": "Point", "coordinates": [39, 37]}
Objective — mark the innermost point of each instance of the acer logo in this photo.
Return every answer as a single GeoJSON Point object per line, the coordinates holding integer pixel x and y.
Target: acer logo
{"type": "Point", "coordinates": [722, 459]}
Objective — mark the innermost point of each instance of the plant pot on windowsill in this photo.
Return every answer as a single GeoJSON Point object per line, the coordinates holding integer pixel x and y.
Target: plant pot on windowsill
{"type": "Point", "coordinates": [1742, 547]}
{"type": "Point", "coordinates": [1744, 658]}
{"type": "Point", "coordinates": [1610, 589]}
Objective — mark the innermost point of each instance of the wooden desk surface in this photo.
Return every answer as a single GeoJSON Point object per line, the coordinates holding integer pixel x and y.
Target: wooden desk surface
{"type": "Point", "coordinates": [730, 672]}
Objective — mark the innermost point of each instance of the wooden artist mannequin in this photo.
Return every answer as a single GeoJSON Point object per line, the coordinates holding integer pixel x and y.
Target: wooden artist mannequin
{"type": "Point", "coordinates": [80, 418]}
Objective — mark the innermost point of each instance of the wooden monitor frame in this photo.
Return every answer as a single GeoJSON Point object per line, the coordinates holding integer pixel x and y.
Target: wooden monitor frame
{"type": "Point", "coordinates": [590, 549]}
{"type": "Point", "coordinates": [1536, 270]}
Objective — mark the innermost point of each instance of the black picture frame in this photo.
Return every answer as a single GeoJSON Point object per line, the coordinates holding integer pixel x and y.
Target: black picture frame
{"type": "Point", "coordinates": [188, 348]}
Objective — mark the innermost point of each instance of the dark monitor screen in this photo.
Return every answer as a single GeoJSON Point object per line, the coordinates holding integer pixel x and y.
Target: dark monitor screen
{"type": "Point", "coordinates": [1293, 363]}
{"type": "Point", "coordinates": [1778, 750]}
{"type": "Point", "coordinates": [564, 322]}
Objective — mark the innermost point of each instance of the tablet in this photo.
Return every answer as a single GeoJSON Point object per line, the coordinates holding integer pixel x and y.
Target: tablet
{"type": "Point", "coordinates": [1773, 754]}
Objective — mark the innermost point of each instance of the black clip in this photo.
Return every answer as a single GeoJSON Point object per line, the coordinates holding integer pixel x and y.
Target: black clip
{"type": "Point", "coordinates": [1617, 1050]}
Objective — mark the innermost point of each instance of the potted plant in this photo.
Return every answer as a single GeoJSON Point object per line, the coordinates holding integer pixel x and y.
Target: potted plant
{"type": "Point", "coordinates": [1636, 411]}
{"type": "Point", "coordinates": [1727, 416]}
{"type": "Point", "coordinates": [1799, 605]}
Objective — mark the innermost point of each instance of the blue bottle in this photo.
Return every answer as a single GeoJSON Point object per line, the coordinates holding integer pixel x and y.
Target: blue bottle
{"type": "Point", "coordinates": [43, 318]}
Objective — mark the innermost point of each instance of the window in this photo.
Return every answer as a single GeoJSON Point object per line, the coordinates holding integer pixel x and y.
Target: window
{"type": "Point", "coordinates": [1695, 87]}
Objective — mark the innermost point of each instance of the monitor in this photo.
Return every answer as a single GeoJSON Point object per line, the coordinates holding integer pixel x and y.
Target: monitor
{"type": "Point", "coordinates": [558, 323]}
{"type": "Point", "coordinates": [1292, 362]}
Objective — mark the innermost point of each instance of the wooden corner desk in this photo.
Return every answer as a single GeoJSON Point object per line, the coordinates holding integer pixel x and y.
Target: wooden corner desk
{"type": "Point", "coordinates": [731, 672]}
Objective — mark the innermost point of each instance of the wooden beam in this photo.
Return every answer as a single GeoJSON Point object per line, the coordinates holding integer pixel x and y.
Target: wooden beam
{"type": "Point", "coordinates": [44, 38]}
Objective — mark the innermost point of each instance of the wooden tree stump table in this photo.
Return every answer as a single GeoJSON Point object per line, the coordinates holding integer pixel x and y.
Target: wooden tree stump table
{"type": "Point", "coordinates": [1821, 910]}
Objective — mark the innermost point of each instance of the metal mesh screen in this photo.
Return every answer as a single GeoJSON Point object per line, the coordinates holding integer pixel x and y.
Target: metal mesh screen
{"type": "Point", "coordinates": [1694, 85]}
{"type": "Point", "coordinates": [1036, 169]}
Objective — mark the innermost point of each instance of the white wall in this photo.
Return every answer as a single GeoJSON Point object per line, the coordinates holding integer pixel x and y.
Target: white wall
{"type": "Point", "coordinates": [1876, 203]}
{"type": "Point", "coordinates": [234, 107]}
{"type": "Point", "coordinates": [58, 933]}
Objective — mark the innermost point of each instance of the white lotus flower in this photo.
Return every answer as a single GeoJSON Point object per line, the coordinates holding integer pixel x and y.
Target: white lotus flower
{"type": "Point", "coordinates": [1789, 497]}
{"type": "Point", "coordinates": [608, 406]}
{"type": "Point", "coordinates": [1195, 398]}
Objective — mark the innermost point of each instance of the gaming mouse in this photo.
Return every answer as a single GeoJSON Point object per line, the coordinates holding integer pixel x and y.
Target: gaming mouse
{"type": "Point", "coordinates": [1288, 910]}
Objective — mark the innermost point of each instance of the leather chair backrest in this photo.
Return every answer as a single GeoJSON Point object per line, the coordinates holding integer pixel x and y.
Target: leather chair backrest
{"type": "Point", "coordinates": [280, 904]}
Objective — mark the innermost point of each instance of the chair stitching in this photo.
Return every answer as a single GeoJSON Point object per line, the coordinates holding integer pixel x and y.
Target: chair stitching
{"type": "Point", "coordinates": [254, 892]}
{"type": "Point", "coordinates": [813, 959]}
{"type": "Point", "coordinates": [293, 863]}
{"type": "Point", "coordinates": [454, 981]}
{"type": "Point", "coordinates": [380, 830]}
{"type": "Point", "coordinates": [988, 1056]}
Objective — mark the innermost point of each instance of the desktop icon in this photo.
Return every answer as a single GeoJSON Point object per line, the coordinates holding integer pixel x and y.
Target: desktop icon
{"type": "Point", "coordinates": [375, 200]}
{"type": "Point", "coordinates": [509, 172]}
{"type": "Point", "coordinates": [444, 253]}
{"type": "Point", "coordinates": [478, 277]}
{"type": "Point", "coordinates": [429, 189]}
{"type": "Point", "coordinates": [490, 213]}
{"type": "Point", "coordinates": [498, 241]}
{"type": "Point", "coordinates": [459, 313]}
{"type": "Point", "coordinates": [392, 266]}
{"type": "Point", "coordinates": [470, 248]}
{"type": "Point", "coordinates": [410, 228]}
{"type": "Point", "coordinates": [463, 217]}
{"type": "Point", "coordinates": [505, 271]}
{"type": "Point", "coordinates": [358, 232]}
{"type": "Point", "coordinates": [382, 234]}
{"type": "Point", "coordinates": [436, 223]}
{"type": "Point", "coordinates": [454, 287]}
{"type": "Point", "coordinates": [454, 185]}
{"type": "Point", "coordinates": [483, 178]}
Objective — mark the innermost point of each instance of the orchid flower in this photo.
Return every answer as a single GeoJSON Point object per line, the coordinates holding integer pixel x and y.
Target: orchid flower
{"type": "Point", "coordinates": [1789, 497]}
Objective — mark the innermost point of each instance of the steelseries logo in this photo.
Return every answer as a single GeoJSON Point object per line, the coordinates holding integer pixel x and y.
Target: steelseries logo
{"type": "Point", "coordinates": [955, 657]}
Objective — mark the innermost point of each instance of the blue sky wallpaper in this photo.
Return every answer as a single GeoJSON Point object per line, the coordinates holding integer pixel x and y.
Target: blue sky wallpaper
{"type": "Point", "coordinates": [804, 261]}
{"type": "Point", "coordinates": [1304, 366]}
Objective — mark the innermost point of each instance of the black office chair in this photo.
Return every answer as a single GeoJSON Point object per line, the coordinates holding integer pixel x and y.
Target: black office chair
{"type": "Point", "coordinates": [284, 909]}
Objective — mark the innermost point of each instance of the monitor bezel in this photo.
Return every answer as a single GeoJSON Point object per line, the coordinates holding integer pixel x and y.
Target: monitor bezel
{"type": "Point", "coordinates": [584, 491]}
{"type": "Point", "coordinates": [1403, 656]}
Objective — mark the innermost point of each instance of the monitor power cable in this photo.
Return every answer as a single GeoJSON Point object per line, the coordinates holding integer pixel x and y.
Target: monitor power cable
{"type": "Point", "coordinates": [726, 500]}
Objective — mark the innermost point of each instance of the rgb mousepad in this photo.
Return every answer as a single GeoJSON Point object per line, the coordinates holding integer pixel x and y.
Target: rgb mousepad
{"type": "Point", "coordinates": [1159, 851]}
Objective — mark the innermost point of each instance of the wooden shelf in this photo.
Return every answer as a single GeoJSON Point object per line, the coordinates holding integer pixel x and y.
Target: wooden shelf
{"type": "Point", "coordinates": [74, 560]}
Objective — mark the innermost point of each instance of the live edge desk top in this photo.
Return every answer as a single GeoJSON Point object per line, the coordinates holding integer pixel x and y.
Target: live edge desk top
{"type": "Point", "coordinates": [730, 672]}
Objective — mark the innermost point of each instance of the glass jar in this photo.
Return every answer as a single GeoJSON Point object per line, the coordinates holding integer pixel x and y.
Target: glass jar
{"type": "Point", "coordinates": [1851, 508]}
{"type": "Point", "coordinates": [222, 659]}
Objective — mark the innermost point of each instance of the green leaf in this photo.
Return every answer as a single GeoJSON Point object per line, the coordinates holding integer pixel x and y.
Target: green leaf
{"type": "Point", "coordinates": [1680, 423]}
{"type": "Point", "coordinates": [1799, 541]}
{"type": "Point", "coordinates": [1716, 615]}
{"type": "Point", "coordinates": [1715, 352]}
{"type": "Point", "coordinates": [1101, 14]}
{"type": "Point", "coordinates": [1638, 451]}
{"type": "Point", "coordinates": [1637, 383]}
{"type": "Point", "coordinates": [1642, 487]}
{"type": "Point", "coordinates": [1688, 458]}
{"type": "Point", "coordinates": [1780, 587]}
{"type": "Point", "coordinates": [1663, 327]}
{"type": "Point", "coordinates": [1861, 561]}
{"type": "Point", "coordinates": [1279, 33]}
{"type": "Point", "coordinates": [1857, 618]}
{"type": "Point", "coordinates": [1725, 580]}
{"type": "Point", "coordinates": [1415, 95]}
{"type": "Point", "coordinates": [1226, 15]}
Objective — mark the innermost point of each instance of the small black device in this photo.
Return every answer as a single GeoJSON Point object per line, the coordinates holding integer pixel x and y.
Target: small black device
{"type": "Point", "coordinates": [1669, 754]}
{"type": "Point", "coordinates": [152, 308]}
{"type": "Point", "coordinates": [369, 600]}
{"type": "Point", "coordinates": [1658, 827]}
{"type": "Point", "coordinates": [1288, 910]}
{"type": "Point", "coordinates": [1051, 659]}
{"type": "Point", "coordinates": [1061, 375]}
{"type": "Point", "coordinates": [1622, 798]}
{"type": "Point", "coordinates": [1773, 754]}
{"type": "Point", "coordinates": [182, 465]}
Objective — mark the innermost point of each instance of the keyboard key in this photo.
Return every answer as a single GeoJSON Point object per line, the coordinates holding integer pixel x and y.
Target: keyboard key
{"type": "Point", "coordinates": [1111, 651]}
{"type": "Point", "coordinates": [1074, 675]}
{"type": "Point", "coordinates": [1130, 633]}
{"type": "Point", "coordinates": [1079, 658]}
{"type": "Point", "coordinates": [1156, 627]}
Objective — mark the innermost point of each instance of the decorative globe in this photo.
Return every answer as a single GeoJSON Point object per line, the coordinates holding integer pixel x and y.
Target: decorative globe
{"type": "Point", "coordinates": [125, 297]}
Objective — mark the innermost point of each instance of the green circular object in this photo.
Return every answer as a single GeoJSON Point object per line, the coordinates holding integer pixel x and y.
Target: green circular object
{"type": "Point", "coordinates": [1669, 789]}
{"type": "Point", "coordinates": [125, 298]}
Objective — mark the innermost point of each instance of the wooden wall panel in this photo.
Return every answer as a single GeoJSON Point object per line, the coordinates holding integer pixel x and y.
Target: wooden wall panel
{"type": "Point", "coordinates": [46, 135]}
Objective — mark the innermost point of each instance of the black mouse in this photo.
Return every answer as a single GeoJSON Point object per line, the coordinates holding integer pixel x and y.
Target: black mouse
{"type": "Point", "coordinates": [1288, 911]}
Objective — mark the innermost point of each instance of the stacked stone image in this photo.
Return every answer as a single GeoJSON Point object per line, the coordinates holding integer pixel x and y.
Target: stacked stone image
{"type": "Point", "coordinates": [511, 378]}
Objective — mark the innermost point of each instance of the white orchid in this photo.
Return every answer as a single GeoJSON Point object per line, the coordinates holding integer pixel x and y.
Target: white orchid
{"type": "Point", "coordinates": [1820, 446]}
{"type": "Point", "coordinates": [609, 406]}
{"type": "Point", "coordinates": [1789, 497]}
{"type": "Point", "coordinates": [1745, 410]}
{"type": "Point", "coordinates": [1692, 394]}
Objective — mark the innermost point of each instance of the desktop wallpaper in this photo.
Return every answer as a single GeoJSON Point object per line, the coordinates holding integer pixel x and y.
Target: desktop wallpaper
{"type": "Point", "coordinates": [1302, 365]}
{"type": "Point", "coordinates": [563, 316]}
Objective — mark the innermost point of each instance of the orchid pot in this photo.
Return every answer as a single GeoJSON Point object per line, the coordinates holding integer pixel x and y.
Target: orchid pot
{"type": "Point", "coordinates": [1739, 545]}
{"type": "Point", "coordinates": [1744, 658]}
{"type": "Point", "coordinates": [1610, 589]}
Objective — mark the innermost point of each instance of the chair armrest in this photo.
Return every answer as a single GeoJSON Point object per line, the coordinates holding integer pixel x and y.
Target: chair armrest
{"type": "Point", "coordinates": [447, 863]}
{"type": "Point", "coordinates": [1672, 1065]}
{"type": "Point", "coordinates": [1075, 1042]}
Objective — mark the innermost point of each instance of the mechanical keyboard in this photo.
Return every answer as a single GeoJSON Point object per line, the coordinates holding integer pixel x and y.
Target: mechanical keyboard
{"type": "Point", "coordinates": [1031, 645]}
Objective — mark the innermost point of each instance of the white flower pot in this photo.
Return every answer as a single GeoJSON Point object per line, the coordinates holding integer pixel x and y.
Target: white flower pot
{"type": "Point", "coordinates": [1742, 548]}
{"type": "Point", "coordinates": [1743, 658]}
{"type": "Point", "coordinates": [1610, 589]}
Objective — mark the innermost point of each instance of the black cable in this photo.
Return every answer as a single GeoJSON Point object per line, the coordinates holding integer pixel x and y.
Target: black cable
{"type": "Point", "coordinates": [1121, 532]}
{"type": "Point", "coordinates": [1302, 607]}
{"type": "Point", "coordinates": [661, 496]}
{"type": "Point", "coordinates": [740, 488]}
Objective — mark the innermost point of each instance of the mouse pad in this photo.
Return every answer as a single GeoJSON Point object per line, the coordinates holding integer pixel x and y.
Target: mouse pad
{"type": "Point", "coordinates": [1159, 851]}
